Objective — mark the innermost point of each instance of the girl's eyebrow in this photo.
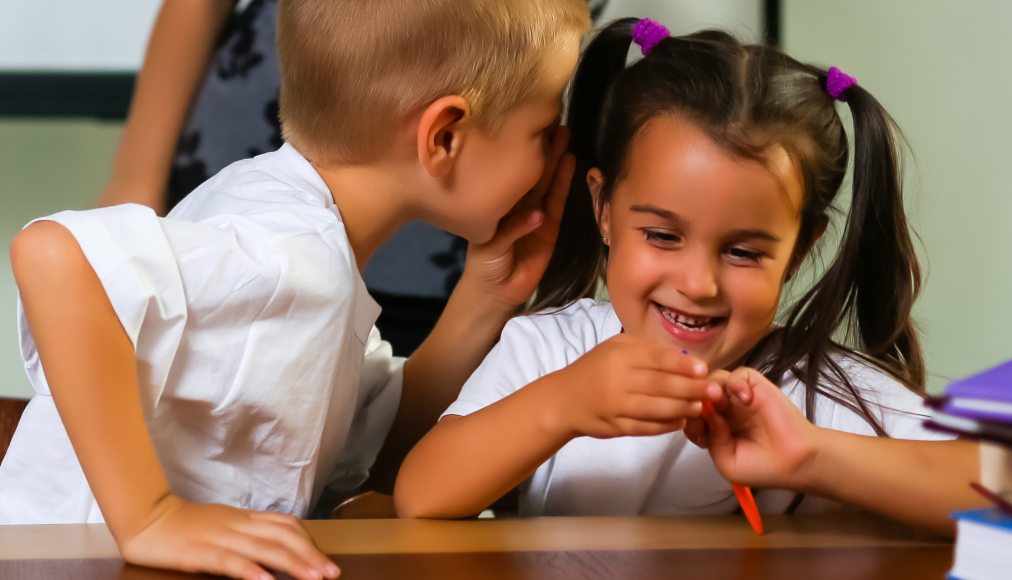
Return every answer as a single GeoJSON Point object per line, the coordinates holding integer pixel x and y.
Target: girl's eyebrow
{"type": "Point", "coordinates": [680, 222]}
{"type": "Point", "coordinates": [659, 212]}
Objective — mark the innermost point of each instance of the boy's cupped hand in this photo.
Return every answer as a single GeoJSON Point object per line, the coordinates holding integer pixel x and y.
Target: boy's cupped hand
{"type": "Point", "coordinates": [757, 436]}
{"type": "Point", "coordinates": [227, 541]}
{"type": "Point", "coordinates": [508, 267]}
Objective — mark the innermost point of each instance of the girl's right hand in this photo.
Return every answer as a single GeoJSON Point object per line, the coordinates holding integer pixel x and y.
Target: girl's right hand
{"type": "Point", "coordinates": [228, 541]}
{"type": "Point", "coordinates": [627, 386]}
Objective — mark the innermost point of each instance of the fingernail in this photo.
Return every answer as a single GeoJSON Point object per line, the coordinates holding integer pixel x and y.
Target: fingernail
{"type": "Point", "coordinates": [699, 368]}
{"type": "Point", "coordinates": [534, 217]}
{"type": "Point", "coordinates": [332, 570]}
{"type": "Point", "coordinates": [696, 407]}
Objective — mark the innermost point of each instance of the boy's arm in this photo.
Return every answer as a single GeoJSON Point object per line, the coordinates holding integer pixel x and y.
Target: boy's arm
{"type": "Point", "coordinates": [91, 369]}
{"type": "Point", "coordinates": [178, 49]}
{"type": "Point", "coordinates": [499, 277]}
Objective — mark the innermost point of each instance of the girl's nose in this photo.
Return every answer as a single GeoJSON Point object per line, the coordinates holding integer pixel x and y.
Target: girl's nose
{"type": "Point", "coordinates": [696, 277]}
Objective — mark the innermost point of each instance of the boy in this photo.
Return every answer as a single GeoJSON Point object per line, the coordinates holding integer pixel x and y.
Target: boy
{"type": "Point", "coordinates": [223, 360]}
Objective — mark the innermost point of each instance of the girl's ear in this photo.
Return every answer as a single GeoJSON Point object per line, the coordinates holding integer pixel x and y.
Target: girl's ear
{"type": "Point", "coordinates": [440, 134]}
{"type": "Point", "coordinates": [805, 246]}
{"type": "Point", "coordinates": [602, 209]}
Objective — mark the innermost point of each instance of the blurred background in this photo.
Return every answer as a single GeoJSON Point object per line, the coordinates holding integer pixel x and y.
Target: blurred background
{"type": "Point", "coordinates": [941, 69]}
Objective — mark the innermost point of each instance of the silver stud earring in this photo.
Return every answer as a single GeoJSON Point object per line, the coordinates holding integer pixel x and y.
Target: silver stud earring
{"type": "Point", "coordinates": [605, 240]}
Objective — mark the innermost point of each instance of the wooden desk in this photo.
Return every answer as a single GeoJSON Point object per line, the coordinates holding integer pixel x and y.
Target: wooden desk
{"type": "Point", "coordinates": [838, 546]}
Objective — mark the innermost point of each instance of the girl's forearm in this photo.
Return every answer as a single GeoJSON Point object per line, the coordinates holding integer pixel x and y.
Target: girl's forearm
{"type": "Point", "coordinates": [917, 482]}
{"type": "Point", "coordinates": [466, 463]}
{"type": "Point", "coordinates": [434, 374]}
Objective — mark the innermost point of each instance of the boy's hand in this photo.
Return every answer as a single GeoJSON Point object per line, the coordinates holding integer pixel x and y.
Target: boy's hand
{"type": "Point", "coordinates": [758, 436]}
{"type": "Point", "coordinates": [226, 541]}
{"type": "Point", "coordinates": [630, 387]}
{"type": "Point", "coordinates": [509, 266]}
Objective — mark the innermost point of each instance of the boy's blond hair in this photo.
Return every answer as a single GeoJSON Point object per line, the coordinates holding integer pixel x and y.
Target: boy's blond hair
{"type": "Point", "coordinates": [353, 70]}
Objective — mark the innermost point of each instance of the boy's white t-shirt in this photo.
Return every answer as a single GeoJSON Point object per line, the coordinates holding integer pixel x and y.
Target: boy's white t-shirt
{"type": "Point", "coordinates": [659, 475]}
{"type": "Point", "coordinates": [261, 374]}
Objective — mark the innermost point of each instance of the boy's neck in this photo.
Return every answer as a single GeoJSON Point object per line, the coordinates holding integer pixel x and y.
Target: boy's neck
{"type": "Point", "coordinates": [373, 204]}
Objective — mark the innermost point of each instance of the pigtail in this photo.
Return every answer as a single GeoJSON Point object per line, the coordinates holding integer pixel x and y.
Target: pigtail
{"type": "Point", "coordinates": [886, 276]}
{"type": "Point", "coordinates": [579, 258]}
{"type": "Point", "coordinates": [869, 289]}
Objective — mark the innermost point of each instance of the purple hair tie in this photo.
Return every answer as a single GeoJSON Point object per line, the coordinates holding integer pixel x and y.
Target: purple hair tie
{"type": "Point", "coordinates": [837, 82]}
{"type": "Point", "coordinates": [647, 33]}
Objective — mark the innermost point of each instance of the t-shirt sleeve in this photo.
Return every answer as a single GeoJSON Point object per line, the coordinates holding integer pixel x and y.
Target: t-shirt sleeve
{"type": "Point", "coordinates": [514, 362]}
{"type": "Point", "coordinates": [380, 386]}
{"type": "Point", "coordinates": [131, 255]}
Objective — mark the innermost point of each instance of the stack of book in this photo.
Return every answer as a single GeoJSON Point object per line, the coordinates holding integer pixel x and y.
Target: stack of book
{"type": "Point", "coordinates": [980, 407]}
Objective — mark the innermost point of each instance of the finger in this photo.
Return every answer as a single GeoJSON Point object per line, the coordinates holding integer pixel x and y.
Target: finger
{"type": "Point", "coordinates": [270, 553]}
{"type": "Point", "coordinates": [288, 531]}
{"type": "Point", "coordinates": [742, 382]}
{"type": "Point", "coordinates": [717, 396]}
{"type": "Point", "coordinates": [664, 358]}
{"type": "Point", "coordinates": [555, 199]}
{"type": "Point", "coordinates": [636, 428]}
{"type": "Point", "coordinates": [228, 563]}
{"type": "Point", "coordinates": [512, 228]}
{"type": "Point", "coordinates": [285, 519]}
{"type": "Point", "coordinates": [663, 384]}
{"type": "Point", "coordinates": [659, 409]}
{"type": "Point", "coordinates": [556, 149]}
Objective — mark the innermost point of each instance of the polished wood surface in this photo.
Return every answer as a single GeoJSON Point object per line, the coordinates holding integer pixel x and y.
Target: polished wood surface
{"type": "Point", "coordinates": [836, 546]}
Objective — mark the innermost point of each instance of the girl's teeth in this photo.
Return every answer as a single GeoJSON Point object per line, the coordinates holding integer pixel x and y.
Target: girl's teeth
{"type": "Point", "coordinates": [697, 324]}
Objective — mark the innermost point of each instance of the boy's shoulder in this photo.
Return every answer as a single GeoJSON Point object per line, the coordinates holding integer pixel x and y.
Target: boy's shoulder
{"type": "Point", "coordinates": [272, 184]}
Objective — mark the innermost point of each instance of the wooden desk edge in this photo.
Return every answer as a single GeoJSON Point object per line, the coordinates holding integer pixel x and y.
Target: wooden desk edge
{"type": "Point", "coordinates": [519, 535]}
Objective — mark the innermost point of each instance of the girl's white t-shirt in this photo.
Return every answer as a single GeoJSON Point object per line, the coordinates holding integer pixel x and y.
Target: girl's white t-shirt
{"type": "Point", "coordinates": [659, 475]}
{"type": "Point", "coordinates": [262, 377]}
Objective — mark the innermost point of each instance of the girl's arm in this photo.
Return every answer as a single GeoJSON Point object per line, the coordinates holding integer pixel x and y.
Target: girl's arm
{"type": "Point", "coordinates": [92, 374]}
{"type": "Point", "coordinates": [177, 54]}
{"type": "Point", "coordinates": [761, 438]}
{"type": "Point", "coordinates": [623, 387]}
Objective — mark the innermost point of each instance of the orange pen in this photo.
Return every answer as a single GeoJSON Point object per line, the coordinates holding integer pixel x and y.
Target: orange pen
{"type": "Point", "coordinates": [742, 492]}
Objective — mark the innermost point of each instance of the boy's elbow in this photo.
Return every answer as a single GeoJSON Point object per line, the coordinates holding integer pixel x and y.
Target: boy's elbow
{"type": "Point", "coordinates": [41, 251]}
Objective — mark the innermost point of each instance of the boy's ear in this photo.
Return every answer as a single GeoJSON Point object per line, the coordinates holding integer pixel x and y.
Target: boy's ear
{"type": "Point", "coordinates": [440, 134]}
{"type": "Point", "coordinates": [602, 211]}
{"type": "Point", "coordinates": [805, 246]}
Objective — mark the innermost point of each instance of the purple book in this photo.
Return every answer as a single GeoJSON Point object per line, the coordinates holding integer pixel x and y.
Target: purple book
{"type": "Point", "coordinates": [986, 395]}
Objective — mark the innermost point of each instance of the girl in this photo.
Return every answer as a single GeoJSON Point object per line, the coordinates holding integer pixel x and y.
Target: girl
{"type": "Point", "coordinates": [202, 379]}
{"type": "Point", "coordinates": [711, 169]}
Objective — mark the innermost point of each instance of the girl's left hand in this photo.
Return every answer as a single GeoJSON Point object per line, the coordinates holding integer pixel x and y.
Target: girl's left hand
{"type": "Point", "coordinates": [757, 436]}
{"type": "Point", "coordinates": [508, 267]}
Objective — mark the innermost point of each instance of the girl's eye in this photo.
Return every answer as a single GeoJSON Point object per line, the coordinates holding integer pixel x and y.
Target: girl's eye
{"type": "Point", "coordinates": [660, 237]}
{"type": "Point", "coordinates": [742, 255]}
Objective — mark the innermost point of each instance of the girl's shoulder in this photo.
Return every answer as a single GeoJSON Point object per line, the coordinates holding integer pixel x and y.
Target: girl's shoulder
{"type": "Point", "coordinates": [581, 325]}
{"type": "Point", "coordinates": [898, 409]}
